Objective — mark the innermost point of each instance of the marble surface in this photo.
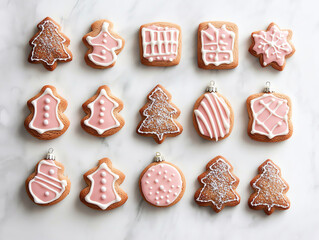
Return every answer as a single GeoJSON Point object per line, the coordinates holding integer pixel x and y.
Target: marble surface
{"type": "Point", "coordinates": [130, 81]}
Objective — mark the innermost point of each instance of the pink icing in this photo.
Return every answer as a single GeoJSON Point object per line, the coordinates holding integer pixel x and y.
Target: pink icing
{"type": "Point", "coordinates": [161, 184]}
{"type": "Point", "coordinates": [46, 186]}
{"type": "Point", "coordinates": [46, 113]}
{"type": "Point", "coordinates": [160, 44]}
{"type": "Point", "coordinates": [102, 187]}
{"type": "Point", "coordinates": [273, 45]}
{"type": "Point", "coordinates": [270, 115]}
{"type": "Point", "coordinates": [213, 116]}
{"type": "Point", "coordinates": [104, 46]}
{"type": "Point", "coordinates": [217, 45]}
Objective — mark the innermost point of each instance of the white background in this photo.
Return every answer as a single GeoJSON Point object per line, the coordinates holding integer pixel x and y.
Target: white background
{"type": "Point", "coordinates": [20, 218]}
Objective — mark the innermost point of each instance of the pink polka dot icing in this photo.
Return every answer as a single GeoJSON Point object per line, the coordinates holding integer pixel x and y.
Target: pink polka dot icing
{"type": "Point", "coordinates": [161, 184]}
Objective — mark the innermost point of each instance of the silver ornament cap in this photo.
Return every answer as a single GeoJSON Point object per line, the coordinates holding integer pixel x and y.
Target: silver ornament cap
{"type": "Point", "coordinates": [158, 157]}
{"type": "Point", "coordinates": [50, 155]}
{"type": "Point", "coordinates": [211, 87]}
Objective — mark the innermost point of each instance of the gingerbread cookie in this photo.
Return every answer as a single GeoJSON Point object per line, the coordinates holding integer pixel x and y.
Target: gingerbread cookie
{"type": "Point", "coordinates": [159, 116]}
{"type": "Point", "coordinates": [218, 185]}
{"type": "Point", "coordinates": [49, 45]}
{"type": "Point", "coordinates": [217, 45]}
{"type": "Point", "coordinates": [269, 116]}
{"type": "Point", "coordinates": [47, 185]}
{"type": "Point", "coordinates": [46, 120]}
{"type": "Point", "coordinates": [160, 44]}
{"type": "Point", "coordinates": [103, 191]}
{"type": "Point", "coordinates": [272, 46]}
{"type": "Point", "coordinates": [269, 189]}
{"type": "Point", "coordinates": [103, 118]}
{"type": "Point", "coordinates": [213, 116]}
{"type": "Point", "coordinates": [162, 184]}
{"type": "Point", "coordinates": [104, 45]}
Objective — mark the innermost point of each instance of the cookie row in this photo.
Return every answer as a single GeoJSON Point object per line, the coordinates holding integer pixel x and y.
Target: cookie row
{"type": "Point", "coordinates": [213, 117]}
{"type": "Point", "coordinates": [162, 184]}
{"type": "Point", "coordinates": [161, 45]}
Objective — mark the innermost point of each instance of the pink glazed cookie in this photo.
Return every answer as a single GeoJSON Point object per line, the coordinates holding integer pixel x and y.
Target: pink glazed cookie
{"type": "Point", "coordinates": [103, 191]}
{"type": "Point", "coordinates": [46, 120]}
{"type": "Point", "coordinates": [103, 45]}
{"type": "Point", "coordinates": [162, 184]}
{"type": "Point", "coordinates": [272, 46]}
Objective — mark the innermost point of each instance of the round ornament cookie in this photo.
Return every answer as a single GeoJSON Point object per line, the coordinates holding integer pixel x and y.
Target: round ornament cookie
{"type": "Point", "coordinates": [103, 45]}
{"type": "Point", "coordinates": [47, 120]}
{"type": "Point", "coordinates": [213, 116]}
{"type": "Point", "coordinates": [103, 191]}
{"type": "Point", "coordinates": [47, 185]}
{"type": "Point", "coordinates": [218, 185]}
{"type": "Point", "coordinates": [269, 116]}
{"type": "Point", "coordinates": [272, 46]}
{"type": "Point", "coordinates": [103, 118]}
{"type": "Point", "coordinates": [162, 184]}
{"type": "Point", "coordinates": [49, 45]}
{"type": "Point", "coordinates": [269, 189]}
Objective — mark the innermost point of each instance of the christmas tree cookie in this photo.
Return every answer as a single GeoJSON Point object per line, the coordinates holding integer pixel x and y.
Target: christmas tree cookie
{"type": "Point", "coordinates": [103, 118]}
{"type": "Point", "coordinates": [47, 185]}
{"type": "Point", "coordinates": [272, 46]}
{"type": "Point", "coordinates": [49, 45]}
{"type": "Point", "coordinates": [46, 120]}
{"type": "Point", "coordinates": [269, 189]}
{"type": "Point", "coordinates": [103, 191]}
{"type": "Point", "coordinates": [218, 185]}
{"type": "Point", "coordinates": [159, 116]}
{"type": "Point", "coordinates": [103, 45]}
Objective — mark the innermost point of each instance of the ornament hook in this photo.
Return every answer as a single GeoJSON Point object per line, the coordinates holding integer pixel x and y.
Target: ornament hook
{"type": "Point", "coordinates": [158, 157]}
{"type": "Point", "coordinates": [268, 89]}
{"type": "Point", "coordinates": [211, 87]}
{"type": "Point", "coordinates": [50, 155]}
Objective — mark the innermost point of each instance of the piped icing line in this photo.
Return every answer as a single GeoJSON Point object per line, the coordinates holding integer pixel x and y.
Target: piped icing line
{"type": "Point", "coordinates": [269, 132]}
{"type": "Point", "coordinates": [48, 91]}
{"type": "Point", "coordinates": [45, 183]}
{"type": "Point", "coordinates": [170, 39]}
{"type": "Point", "coordinates": [88, 197]}
{"type": "Point", "coordinates": [100, 130]}
{"type": "Point", "coordinates": [230, 187]}
{"type": "Point", "coordinates": [105, 32]}
{"type": "Point", "coordinates": [278, 178]}
{"type": "Point", "coordinates": [273, 45]}
{"type": "Point", "coordinates": [56, 28]}
{"type": "Point", "coordinates": [216, 116]}
{"type": "Point", "coordinates": [221, 46]}
{"type": "Point", "coordinates": [160, 135]}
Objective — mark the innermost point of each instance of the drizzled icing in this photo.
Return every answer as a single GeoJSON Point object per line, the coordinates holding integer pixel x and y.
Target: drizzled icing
{"type": "Point", "coordinates": [273, 45]}
{"type": "Point", "coordinates": [217, 45]}
{"type": "Point", "coordinates": [270, 116]}
{"type": "Point", "coordinates": [49, 44]}
{"type": "Point", "coordinates": [46, 186]}
{"type": "Point", "coordinates": [102, 191]}
{"type": "Point", "coordinates": [46, 115]}
{"type": "Point", "coordinates": [160, 43]}
{"type": "Point", "coordinates": [159, 115]}
{"type": "Point", "coordinates": [270, 188]}
{"type": "Point", "coordinates": [213, 116]}
{"type": "Point", "coordinates": [104, 47]}
{"type": "Point", "coordinates": [161, 184]}
{"type": "Point", "coordinates": [219, 185]}
{"type": "Point", "coordinates": [102, 113]}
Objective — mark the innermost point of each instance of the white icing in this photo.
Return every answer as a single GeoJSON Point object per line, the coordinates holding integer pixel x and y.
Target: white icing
{"type": "Point", "coordinates": [90, 177]}
{"type": "Point", "coordinates": [91, 107]}
{"type": "Point", "coordinates": [169, 44]}
{"type": "Point", "coordinates": [217, 43]}
{"type": "Point", "coordinates": [47, 183]}
{"type": "Point", "coordinates": [272, 113]}
{"type": "Point", "coordinates": [104, 31]}
{"type": "Point", "coordinates": [34, 103]}
{"type": "Point", "coordinates": [62, 44]}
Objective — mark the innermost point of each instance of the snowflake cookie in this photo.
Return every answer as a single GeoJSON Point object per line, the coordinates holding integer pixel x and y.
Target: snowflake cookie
{"type": "Point", "coordinates": [218, 185]}
{"type": "Point", "coordinates": [272, 46]}
{"type": "Point", "coordinates": [269, 189]}
{"type": "Point", "coordinates": [217, 45]}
